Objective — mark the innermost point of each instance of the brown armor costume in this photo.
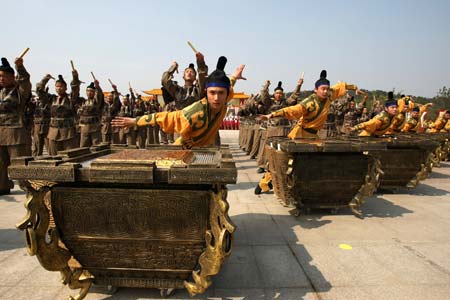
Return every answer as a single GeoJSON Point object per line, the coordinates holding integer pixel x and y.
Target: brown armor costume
{"type": "Point", "coordinates": [62, 132]}
{"type": "Point", "coordinates": [14, 137]}
{"type": "Point", "coordinates": [40, 127]}
{"type": "Point", "coordinates": [140, 132]}
{"type": "Point", "coordinates": [127, 135]}
{"type": "Point", "coordinates": [152, 131]}
{"type": "Point", "coordinates": [110, 111]}
{"type": "Point", "coordinates": [185, 95]}
{"type": "Point", "coordinates": [90, 113]}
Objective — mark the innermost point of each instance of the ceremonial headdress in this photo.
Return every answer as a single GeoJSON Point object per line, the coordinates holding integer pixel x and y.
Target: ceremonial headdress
{"type": "Point", "coordinates": [323, 79]}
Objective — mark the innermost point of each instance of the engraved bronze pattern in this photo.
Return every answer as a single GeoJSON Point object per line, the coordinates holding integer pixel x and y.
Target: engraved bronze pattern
{"type": "Point", "coordinates": [371, 183]}
{"type": "Point", "coordinates": [44, 241]}
{"type": "Point", "coordinates": [218, 243]}
{"type": "Point", "coordinates": [128, 221]}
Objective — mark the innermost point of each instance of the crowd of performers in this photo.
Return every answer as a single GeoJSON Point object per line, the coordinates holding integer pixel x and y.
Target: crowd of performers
{"type": "Point", "coordinates": [191, 116]}
{"type": "Point", "coordinates": [329, 112]}
{"type": "Point", "coordinates": [32, 124]}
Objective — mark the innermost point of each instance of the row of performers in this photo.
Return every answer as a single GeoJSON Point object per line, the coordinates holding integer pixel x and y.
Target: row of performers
{"type": "Point", "coordinates": [344, 114]}
{"type": "Point", "coordinates": [66, 120]}
{"type": "Point", "coordinates": [310, 115]}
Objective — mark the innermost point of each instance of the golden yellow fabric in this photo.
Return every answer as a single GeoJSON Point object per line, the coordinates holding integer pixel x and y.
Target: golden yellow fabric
{"type": "Point", "coordinates": [402, 102]}
{"type": "Point", "coordinates": [447, 126]}
{"type": "Point", "coordinates": [377, 126]}
{"type": "Point", "coordinates": [264, 182]}
{"type": "Point", "coordinates": [312, 112]}
{"type": "Point", "coordinates": [397, 123]}
{"type": "Point", "coordinates": [194, 123]}
{"type": "Point", "coordinates": [438, 125]}
{"type": "Point", "coordinates": [412, 124]}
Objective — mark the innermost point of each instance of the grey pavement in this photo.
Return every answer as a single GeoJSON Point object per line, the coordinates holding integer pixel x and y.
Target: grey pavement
{"type": "Point", "coordinates": [400, 250]}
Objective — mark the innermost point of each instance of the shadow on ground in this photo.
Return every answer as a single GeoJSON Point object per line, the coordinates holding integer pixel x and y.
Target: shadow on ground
{"type": "Point", "coordinates": [11, 239]}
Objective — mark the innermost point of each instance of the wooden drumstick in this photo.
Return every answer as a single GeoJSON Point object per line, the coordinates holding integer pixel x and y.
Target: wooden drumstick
{"type": "Point", "coordinates": [303, 75]}
{"type": "Point", "coordinates": [24, 52]}
{"type": "Point", "coordinates": [110, 81]}
{"type": "Point", "coordinates": [73, 67]}
{"type": "Point", "coordinates": [192, 47]}
{"type": "Point", "coordinates": [93, 76]}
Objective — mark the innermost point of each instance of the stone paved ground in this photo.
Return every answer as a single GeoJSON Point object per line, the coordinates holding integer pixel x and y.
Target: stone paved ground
{"type": "Point", "coordinates": [401, 250]}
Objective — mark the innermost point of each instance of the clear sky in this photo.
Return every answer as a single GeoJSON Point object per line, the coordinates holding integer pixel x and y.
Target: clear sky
{"type": "Point", "coordinates": [375, 44]}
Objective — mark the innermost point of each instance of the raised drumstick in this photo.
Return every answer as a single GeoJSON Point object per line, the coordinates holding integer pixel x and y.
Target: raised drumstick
{"type": "Point", "coordinates": [192, 47]}
{"type": "Point", "coordinates": [24, 52]}
{"type": "Point", "coordinates": [93, 76]}
{"type": "Point", "coordinates": [73, 67]}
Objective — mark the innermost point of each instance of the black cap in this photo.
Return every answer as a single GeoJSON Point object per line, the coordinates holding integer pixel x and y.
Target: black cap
{"type": "Point", "coordinates": [416, 109]}
{"type": "Point", "coordinates": [323, 79]}
{"type": "Point", "coordinates": [191, 66]}
{"type": "Point", "coordinates": [390, 96]}
{"type": "Point", "coordinates": [61, 80]}
{"type": "Point", "coordinates": [390, 100]}
{"type": "Point", "coordinates": [6, 67]}
{"type": "Point", "coordinates": [279, 88]}
{"type": "Point", "coordinates": [218, 78]}
{"type": "Point", "coordinates": [91, 86]}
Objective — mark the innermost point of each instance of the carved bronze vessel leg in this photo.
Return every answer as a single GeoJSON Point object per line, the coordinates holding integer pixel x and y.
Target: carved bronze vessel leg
{"type": "Point", "coordinates": [218, 243]}
{"type": "Point", "coordinates": [43, 240]}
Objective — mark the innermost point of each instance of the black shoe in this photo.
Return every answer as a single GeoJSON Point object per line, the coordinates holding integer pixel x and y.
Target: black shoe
{"type": "Point", "coordinates": [270, 185]}
{"type": "Point", "coordinates": [258, 190]}
{"type": "Point", "coordinates": [260, 170]}
{"type": "Point", "coordinates": [5, 192]}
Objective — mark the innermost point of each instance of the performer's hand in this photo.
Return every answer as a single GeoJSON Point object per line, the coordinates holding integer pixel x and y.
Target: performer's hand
{"type": "Point", "coordinates": [123, 122]}
{"type": "Point", "coordinates": [96, 83]}
{"type": "Point", "coordinates": [353, 129]}
{"type": "Point", "coordinates": [359, 92]}
{"type": "Point", "coordinates": [176, 66]}
{"type": "Point", "coordinates": [264, 117]}
{"type": "Point", "coordinates": [268, 82]}
{"type": "Point", "coordinates": [114, 87]}
{"type": "Point", "coordinates": [48, 77]}
{"type": "Point", "coordinates": [75, 73]}
{"type": "Point", "coordinates": [200, 56]}
{"type": "Point", "coordinates": [300, 81]}
{"type": "Point", "coordinates": [238, 73]}
{"type": "Point", "coordinates": [19, 61]}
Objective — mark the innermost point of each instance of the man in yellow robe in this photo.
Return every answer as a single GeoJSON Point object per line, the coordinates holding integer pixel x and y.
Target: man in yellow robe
{"type": "Point", "coordinates": [441, 122]}
{"type": "Point", "coordinates": [199, 123]}
{"type": "Point", "coordinates": [413, 123]}
{"type": "Point", "coordinates": [379, 124]}
{"type": "Point", "coordinates": [404, 105]}
{"type": "Point", "coordinates": [311, 114]}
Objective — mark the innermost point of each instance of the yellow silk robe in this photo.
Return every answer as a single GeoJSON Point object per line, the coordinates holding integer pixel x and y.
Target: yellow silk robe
{"type": "Point", "coordinates": [312, 112]}
{"type": "Point", "coordinates": [194, 123]}
{"type": "Point", "coordinates": [412, 124]}
{"type": "Point", "coordinates": [439, 125]}
{"type": "Point", "coordinates": [377, 126]}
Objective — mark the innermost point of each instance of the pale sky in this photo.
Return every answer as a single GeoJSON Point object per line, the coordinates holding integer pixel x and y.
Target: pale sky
{"type": "Point", "coordinates": [375, 44]}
